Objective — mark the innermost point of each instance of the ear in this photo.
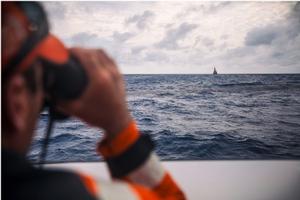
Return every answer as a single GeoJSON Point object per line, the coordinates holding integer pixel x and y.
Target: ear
{"type": "Point", "coordinates": [17, 104]}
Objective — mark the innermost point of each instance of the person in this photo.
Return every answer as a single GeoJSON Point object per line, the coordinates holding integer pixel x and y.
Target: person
{"type": "Point", "coordinates": [134, 167]}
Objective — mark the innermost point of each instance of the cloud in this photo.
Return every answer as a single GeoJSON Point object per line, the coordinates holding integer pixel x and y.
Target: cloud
{"type": "Point", "coordinates": [272, 34]}
{"type": "Point", "coordinates": [270, 47]}
{"type": "Point", "coordinates": [207, 42]}
{"type": "Point", "coordinates": [278, 43]}
{"type": "Point", "coordinates": [92, 40]}
{"type": "Point", "coordinates": [216, 6]}
{"type": "Point", "coordinates": [142, 20]}
{"type": "Point", "coordinates": [173, 35]}
{"type": "Point", "coordinates": [204, 8]}
{"type": "Point", "coordinates": [115, 45]}
{"type": "Point", "coordinates": [262, 35]}
{"type": "Point", "coordinates": [204, 42]}
{"type": "Point", "coordinates": [55, 10]}
{"type": "Point", "coordinates": [137, 49]}
{"type": "Point", "coordinates": [295, 13]}
{"type": "Point", "coordinates": [122, 37]}
{"type": "Point", "coordinates": [83, 38]}
{"type": "Point", "coordinates": [156, 56]}
{"type": "Point", "coordinates": [294, 19]}
{"type": "Point", "coordinates": [224, 37]}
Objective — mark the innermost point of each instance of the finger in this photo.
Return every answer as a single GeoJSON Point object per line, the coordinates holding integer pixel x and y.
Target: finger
{"type": "Point", "coordinates": [109, 61]}
{"type": "Point", "coordinates": [79, 53]}
{"type": "Point", "coordinates": [83, 57]}
{"type": "Point", "coordinates": [97, 60]}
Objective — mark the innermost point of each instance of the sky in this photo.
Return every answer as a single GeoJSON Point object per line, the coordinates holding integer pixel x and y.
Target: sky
{"type": "Point", "coordinates": [184, 37]}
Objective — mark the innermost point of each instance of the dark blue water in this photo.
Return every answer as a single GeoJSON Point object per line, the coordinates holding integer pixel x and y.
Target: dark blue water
{"type": "Point", "coordinates": [197, 117]}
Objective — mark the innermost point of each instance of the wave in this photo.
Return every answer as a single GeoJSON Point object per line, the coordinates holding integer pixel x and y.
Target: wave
{"type": "Point", "coordinates": [218, 146]}
{"type": "Point", "coordinates": [240, 84]}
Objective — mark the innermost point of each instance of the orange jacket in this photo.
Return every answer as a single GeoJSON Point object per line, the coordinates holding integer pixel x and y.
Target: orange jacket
{"type": "Point", "coordinates": [134, 168]}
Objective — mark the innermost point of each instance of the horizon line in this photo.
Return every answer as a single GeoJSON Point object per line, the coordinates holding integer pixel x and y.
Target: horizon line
{"type": "Point", "coordinates": [211, 74]}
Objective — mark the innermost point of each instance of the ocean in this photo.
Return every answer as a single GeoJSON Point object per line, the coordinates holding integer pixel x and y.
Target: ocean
{"type": "Point", "coordinates": [196, 117]}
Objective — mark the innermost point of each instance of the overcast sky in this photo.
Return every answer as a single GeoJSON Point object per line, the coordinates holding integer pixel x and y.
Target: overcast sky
{"type": "Point", "coordinates": [185, 37]}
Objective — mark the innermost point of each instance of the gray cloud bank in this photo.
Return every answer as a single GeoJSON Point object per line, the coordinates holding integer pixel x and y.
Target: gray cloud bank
{"type": "Point", "coordinates": [173, 35]}
{"type": "Point", "coordinates": [268, 48]}
{"type": "Point", "coordinates": [142, 20]}
{"type": "Point", "coordinates": [281, 40]}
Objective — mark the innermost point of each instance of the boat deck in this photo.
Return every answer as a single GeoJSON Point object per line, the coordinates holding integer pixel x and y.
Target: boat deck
{"type": "Point", "coordinates": [222, 180]}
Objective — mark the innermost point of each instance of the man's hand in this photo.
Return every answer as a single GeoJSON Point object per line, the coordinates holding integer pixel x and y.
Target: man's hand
{"type": "Point", "coordinates": [103, 103]}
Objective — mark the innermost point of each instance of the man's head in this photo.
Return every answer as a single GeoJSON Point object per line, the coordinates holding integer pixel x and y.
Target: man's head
{"type": "Point", "coordinates": [33, 62]}
{"type": "Point", "coordinates": [22, 94]}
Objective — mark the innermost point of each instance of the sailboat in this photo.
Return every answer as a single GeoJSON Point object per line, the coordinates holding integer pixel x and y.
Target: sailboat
{"type": "Point", "coordinates": [215, 71]}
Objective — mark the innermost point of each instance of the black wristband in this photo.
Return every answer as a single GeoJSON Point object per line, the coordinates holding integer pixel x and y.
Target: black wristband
{"type": "Point", "coordinates": [132, 158]}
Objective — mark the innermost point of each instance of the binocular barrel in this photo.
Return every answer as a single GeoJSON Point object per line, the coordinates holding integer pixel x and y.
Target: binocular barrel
{"type": "Point", "coordinates": [65, 81]}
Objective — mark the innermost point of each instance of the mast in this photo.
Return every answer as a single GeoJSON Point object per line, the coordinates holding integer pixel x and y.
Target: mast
{"type": "Point", "coordinates": [215, 71]}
